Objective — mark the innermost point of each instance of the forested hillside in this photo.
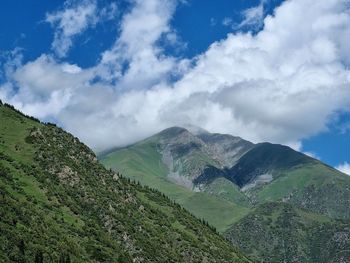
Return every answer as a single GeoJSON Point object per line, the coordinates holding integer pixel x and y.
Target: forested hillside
{"type": "Point", "coordinates": [58, 204]}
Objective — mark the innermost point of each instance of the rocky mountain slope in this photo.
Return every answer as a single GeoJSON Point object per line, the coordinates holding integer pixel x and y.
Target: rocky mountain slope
{"type": "Point", "coordinates": [172, 161]}
{"type": "Point", "coordinates": [58, 204]}
{"type": "Point", "coordinates": [229, 178]}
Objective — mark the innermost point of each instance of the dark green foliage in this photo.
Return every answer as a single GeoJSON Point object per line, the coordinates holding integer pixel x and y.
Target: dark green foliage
{"type": "Point", "coordinates": [58, 204]}
{"type": "Point", "coordinates": [280, 232]}
{"type": "Point", "coordinates": [333, 198]}
{"type": "Point", "coordinates": [39, 257]}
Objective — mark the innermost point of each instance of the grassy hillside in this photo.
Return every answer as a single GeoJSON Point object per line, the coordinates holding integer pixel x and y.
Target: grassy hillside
{"type": "Point", "coordinates": [142, 162]}
{"type": "Point", "coordinates": [288, 234]}
{"type": "Point", "coordinates": [314, 186]}
{"type": "Point", "coordinates": [58, 204]}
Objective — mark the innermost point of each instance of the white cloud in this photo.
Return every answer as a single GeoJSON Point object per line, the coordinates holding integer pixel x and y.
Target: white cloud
{"type": "Point", "coordinates": [70, 68]}
{"type": "Point", "coordinates": [137, 46]}
{"type": "Point", "coordinates": [73, 20]}
{"type": "Point", "coordinates": [227, 21]}
{"type": "Point", "coordinates": [253, 17]}
{"type": "Point", "coordinates": [312, 155]}
{"type": "Point", "coordinates": [45, 86]}
{"type": "Point", "coordinates": [282, 84]}
{"type": "Point", "coordinates": [87, 94]}
{"type": "Point", "coordinates": [345, 168]}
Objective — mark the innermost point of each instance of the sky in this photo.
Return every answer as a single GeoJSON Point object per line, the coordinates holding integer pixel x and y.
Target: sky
{"type": "Point", "coordinates": [115, 72]}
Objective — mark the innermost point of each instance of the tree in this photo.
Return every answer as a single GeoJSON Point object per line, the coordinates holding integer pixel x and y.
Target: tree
{"type": "Point", "coordinates": [39, 257]}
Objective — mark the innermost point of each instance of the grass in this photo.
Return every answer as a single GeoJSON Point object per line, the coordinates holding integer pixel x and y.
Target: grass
{"type": "Point", "coordinates": [131, 157]}
{"type": "Point", "coordinates": [219, 213]}
{"type": "Point", "coordinates": [13, 131]}
{"type": "Point", "coordinates": [225, 189]}
{"type": "Point", "coordinates": [70, 218]}
{"type": "Point", "coordinates": [296, 179]}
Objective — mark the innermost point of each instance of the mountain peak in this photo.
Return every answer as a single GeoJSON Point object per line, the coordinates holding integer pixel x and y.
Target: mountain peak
{"type": "Point", "coordinates": [195, 130]}
{"type": "Point", "coordinates": [172, 131]}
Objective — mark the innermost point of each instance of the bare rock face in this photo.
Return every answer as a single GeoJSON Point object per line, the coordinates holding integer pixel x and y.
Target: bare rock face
{"type": "Point", "coordinates": [195, 159]}
{"type": "Point", "coordinates": [67, 175]}
{"type": "Point", "coordinates": [226, 148]}
{"type": "Point", "coordinates": [184, 154]}
{"type": "Point", "coordinates": [190, 155]}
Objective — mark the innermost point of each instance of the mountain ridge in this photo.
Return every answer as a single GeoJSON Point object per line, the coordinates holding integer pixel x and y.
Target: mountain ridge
{"type": "Point", "coordinates": [203, 140]}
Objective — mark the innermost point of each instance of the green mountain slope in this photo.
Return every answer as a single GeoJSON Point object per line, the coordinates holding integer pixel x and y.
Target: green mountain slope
{"type": "Point", "coordinates": [280, 232]}
{"type": "Point", "coordinates": [58, 204]}
{"type": "Point", "coordinates": [292, 177]}
{"type": "Point", "coordinates": [315, 187]}
{"type": "Point", "coordinates": [234, 181]}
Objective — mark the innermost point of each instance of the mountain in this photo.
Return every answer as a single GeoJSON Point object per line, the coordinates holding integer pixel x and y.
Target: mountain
{"type": "Point", "coordinates": [290, 234]}
{"type": "Point", "coordinates": [228, 181]}
{"type": "Point", "coordinates": [59, 204]}
{"type": "Point", "coordinates": [227, 168]}
{"type": "Point", "coordinates": [172, 160]}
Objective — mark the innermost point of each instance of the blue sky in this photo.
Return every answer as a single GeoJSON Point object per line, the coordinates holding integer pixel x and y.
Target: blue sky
{"type": "Point", "coordinates": [198, 24]}
{"type": "Point", "coordinates": [113, 72]}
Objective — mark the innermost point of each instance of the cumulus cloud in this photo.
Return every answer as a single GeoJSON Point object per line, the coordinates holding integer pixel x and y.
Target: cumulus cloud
{"type": "Point", "coordinates": [45, 86]}
{"type": "Point", "coordinates": [282, 84]}
{"type": "Point", "coordinates": [345, 168]}
{"type": "Point", "coordinates": [136, 60]}
{"type": "Point", "coordinates": [73, 20]}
